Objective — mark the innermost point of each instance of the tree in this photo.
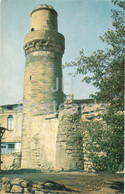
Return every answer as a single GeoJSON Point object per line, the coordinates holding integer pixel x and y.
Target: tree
{"type": "Point", "coordinates": [119, 3]}
{"type": "Point", "coordinates": [105, 70]}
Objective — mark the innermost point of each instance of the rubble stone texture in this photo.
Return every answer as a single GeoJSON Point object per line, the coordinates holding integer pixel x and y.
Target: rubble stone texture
{"type": "Point", "coordinates": [18, 185]}
{"type": "Point", "coordinates": [69, 152]}
{"type": "Point", "coordinates": [11, 161]}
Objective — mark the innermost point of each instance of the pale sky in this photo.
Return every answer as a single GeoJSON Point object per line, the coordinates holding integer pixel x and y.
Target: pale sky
{"type": "Point", "coordinates": [80, 21]}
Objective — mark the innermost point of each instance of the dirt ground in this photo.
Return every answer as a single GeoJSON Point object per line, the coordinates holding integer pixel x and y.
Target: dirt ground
{"type": "Point", "coordinates": [79, 182]}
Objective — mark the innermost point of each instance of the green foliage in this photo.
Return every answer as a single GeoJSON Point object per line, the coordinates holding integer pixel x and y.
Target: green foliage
{"type": "Point", "coordinates": [119, 3]}
{"type": "Point", "coordinates": [105, 70]}
{"type": "Point", "coordinates": [104, 163]}
{"type": "Point", "coordinates": [105, 141]}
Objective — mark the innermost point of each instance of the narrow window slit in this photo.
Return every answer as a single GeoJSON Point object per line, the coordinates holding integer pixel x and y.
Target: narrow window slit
{"type": "Point", "coordinates": [30, 77]}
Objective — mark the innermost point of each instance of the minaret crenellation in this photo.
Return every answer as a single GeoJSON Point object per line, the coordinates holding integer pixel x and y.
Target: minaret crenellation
{"type": "Point", "coordinates": [44, 35]}
{"type": "Point", "coordinates": [42, 40]}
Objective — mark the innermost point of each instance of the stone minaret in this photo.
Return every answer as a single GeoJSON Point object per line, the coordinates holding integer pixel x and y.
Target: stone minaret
{"type": "Point", "coordinates": [44, 48]}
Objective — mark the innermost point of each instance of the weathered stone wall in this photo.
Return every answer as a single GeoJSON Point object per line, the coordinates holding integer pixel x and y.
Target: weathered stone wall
{"type": "Point", "coordinates": [69, 149]}
{"type": "Point", "coordinates": [73, 139]}
{"type": "Point", "coordinates": [39, 150]}
{"type": "Point", "coordinates": [11, 161]}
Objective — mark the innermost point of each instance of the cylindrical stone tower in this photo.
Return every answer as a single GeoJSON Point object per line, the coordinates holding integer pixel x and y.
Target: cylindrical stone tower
{"type": "Point", "coordinates": [44, 48]}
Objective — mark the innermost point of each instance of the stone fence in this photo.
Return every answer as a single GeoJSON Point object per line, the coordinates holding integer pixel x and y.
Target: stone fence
{"type": "Point", "coordinates": [19, 185]}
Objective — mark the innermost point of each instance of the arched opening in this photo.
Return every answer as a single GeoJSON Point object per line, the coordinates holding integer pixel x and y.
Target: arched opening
{"type": "Point", "coordinates": [32, 29]}
{"type": "Point", "coordinates": [10, 122]}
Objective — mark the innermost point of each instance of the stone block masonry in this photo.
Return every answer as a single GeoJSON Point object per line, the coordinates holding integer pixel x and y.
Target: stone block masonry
{"type": "Point", "coordinates": [43, 48]}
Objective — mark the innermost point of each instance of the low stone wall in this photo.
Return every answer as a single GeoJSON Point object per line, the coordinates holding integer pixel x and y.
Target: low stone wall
{"type": "Point", "coordinates": [11, 161]}
{"type": "Point", "coordinates": [19, 185]}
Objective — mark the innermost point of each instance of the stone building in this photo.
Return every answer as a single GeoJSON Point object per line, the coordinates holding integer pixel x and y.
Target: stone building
{"type": "Point", "coordinates": [11, 119]}
{"type": "Point", "coordinates": [38, 136]}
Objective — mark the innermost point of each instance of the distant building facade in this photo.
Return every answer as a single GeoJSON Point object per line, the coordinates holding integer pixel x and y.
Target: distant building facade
{"type": "Point", "coordinates": [11, 119]}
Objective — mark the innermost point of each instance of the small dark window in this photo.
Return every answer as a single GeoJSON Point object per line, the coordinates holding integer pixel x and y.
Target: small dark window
{"type": "Point", "coordinates": [3, 146]}
{"type": "Point", "coordinates": [11, 146]}
{"type": "Point", "coordinates": [30, 77]}
{"type": "Point", "coordinates": [32, 29]}
{"type": "Point", "coordinates": [10, 122]}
